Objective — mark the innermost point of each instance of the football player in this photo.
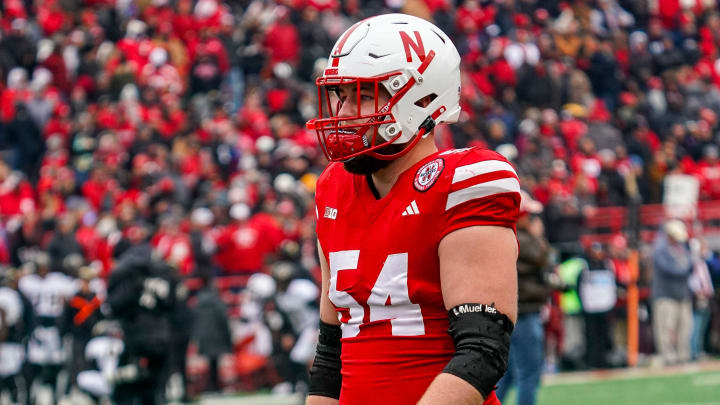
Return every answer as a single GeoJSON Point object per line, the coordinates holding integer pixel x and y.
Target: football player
{"type": "Point", "coordinates": [48, 291]}
{"type": "Point", "coordinates": [417, 247]}
{"type": "Point", "coordinates": [15, 318]}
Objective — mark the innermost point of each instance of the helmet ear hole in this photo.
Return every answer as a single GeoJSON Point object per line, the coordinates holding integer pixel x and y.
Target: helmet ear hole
{"type": "Point", "coordinates": [425, 101]}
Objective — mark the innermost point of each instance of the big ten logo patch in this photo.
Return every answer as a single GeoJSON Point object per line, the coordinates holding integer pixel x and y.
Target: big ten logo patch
{"type": "Point", "coordinates": [330, 213]}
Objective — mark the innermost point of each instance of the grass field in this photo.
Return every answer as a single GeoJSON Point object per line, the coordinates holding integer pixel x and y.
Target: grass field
{"type": "Point", "coordinates": [700, 388]}
{"type": "Point", "coordinates": [690, 385]}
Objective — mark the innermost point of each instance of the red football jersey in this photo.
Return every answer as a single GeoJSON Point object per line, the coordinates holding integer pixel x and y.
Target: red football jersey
{"type": "Point", "coordinates": [385, 270]}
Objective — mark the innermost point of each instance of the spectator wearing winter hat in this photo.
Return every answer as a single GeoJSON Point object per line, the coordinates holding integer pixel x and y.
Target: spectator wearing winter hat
{"type": "Point", "coordinates": [671, 295]}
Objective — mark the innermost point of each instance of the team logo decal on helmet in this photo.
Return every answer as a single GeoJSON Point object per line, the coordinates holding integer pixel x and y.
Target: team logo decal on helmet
{"type": "Point", "coordinates": [410, 59]}
{"type": "Point", "coordinates": [428, 174]}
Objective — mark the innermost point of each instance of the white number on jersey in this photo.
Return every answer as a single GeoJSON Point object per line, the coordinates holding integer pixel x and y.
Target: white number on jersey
{"type": "Point", "coordinates": [345, 260]}
{"type": "Point", "coordinates": [392, 284]}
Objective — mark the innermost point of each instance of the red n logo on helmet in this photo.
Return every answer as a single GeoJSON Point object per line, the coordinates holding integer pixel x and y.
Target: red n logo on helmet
{"type": "Point", "coordinates": [416, 45]}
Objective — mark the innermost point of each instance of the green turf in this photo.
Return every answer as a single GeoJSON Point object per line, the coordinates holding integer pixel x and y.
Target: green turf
{"type": "Point", "coordinates": [684, 389]}
{"type": "Point", "coordinates": [700, 388]}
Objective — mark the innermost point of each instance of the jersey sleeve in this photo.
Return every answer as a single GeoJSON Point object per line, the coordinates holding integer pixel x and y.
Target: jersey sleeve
{"type": "Point", "coordinates": [324, 187]}
{"type": "Point", "coordinates": [321, 186]}
{"type": "Point", "coordinates": [484, 190]}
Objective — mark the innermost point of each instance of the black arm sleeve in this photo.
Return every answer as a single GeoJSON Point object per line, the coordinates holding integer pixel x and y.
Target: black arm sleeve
{"type": "Point", "coordinates": [325, 377]}
{"type": "Point", "coordinates": [482, 345]}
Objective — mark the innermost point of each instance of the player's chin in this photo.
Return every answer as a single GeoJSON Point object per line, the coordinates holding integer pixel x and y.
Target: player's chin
{"type": "Point", "coordinates": [365, 165]}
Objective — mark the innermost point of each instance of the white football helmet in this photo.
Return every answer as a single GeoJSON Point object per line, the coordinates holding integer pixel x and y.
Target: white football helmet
{"type": "Point", "coordinates": [412, 59]}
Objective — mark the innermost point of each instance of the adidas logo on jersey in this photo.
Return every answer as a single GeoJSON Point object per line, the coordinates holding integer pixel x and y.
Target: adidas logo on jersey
{"type": "Point", "coordinates": [411, 209]}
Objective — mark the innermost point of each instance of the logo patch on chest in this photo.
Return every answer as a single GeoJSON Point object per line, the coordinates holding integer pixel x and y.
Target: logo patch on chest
{"type": "Point", "coordinates": [428, 174]}
{"type": "Point", "coordinates": [330, 213]}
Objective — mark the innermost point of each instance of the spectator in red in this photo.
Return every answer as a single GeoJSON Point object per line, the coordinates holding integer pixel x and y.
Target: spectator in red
{"type": "Point", "coordinates": [241, 246]}
{"type": "Point", "coordinates": [16, 193]}
{"type": "Point", "coordinates": [87, 236]}
{"type": "Point", "coordinates": [173, 245]}
{"type": "Point", "coordinates": [282, 40]}
{"type": "Point", "coordinates": [586, 159]}
{"type": "Point", "coordinates": [157, 12]}
{"type": "Point", "coordinates": [618, 253]}
{"type": "Point", "coordinates": [183, 22]}
{"type": "Point", "coordinates": [472, 17]}
{"type": "Point", "coordinates": [50, 57]}
{"type": "Point", "coordinates": [109, 236]}
{"type": "Point", "coordinates": [161, 75]}
{"type": "Point", "coordinates": [99, 189]}
{"type": "Point", "coordinates": [50, 17]}
{"type": "Point", "coordinates": [573, 126]}
{"type": "Point", "coordinates": [252, 117]}
{"type": "Point", "coordinates": [708, 171]}
{"type": "Point", "coordinates": [210, 44]}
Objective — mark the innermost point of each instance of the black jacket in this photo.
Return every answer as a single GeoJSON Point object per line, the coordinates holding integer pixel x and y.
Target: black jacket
{"type": "Point", "coordinates": [142, 294]}
{"type": "Point", "coordinates": [533, 258]}
{"type": "Point", "coordinates": [211, 328]}
{"type": "Point", "coordinates": [81, 314]}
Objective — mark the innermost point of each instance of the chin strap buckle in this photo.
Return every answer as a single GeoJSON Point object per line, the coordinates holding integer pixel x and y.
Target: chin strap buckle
{"type": "Point", "coordinates": [429, 124]}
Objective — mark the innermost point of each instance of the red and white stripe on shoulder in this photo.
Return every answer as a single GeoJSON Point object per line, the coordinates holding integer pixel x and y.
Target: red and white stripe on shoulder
{"type": "Point", "coordinates": [481, 179]}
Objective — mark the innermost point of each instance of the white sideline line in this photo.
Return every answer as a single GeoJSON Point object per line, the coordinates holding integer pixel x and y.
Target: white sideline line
{"type": "Point", "coordinates": [584, 377]}
{"type": "Point", "coordinates": [253, 400]}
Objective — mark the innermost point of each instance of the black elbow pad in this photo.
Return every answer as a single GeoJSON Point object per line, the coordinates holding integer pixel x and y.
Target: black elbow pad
{"type": "Point", "coordinates": [482, 345]}
{"type": "Point", "coordinates": [325, 377]}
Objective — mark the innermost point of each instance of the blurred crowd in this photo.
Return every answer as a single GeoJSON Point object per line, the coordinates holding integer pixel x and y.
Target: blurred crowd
{"type": "Point", "coordinates": [178, 126]}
